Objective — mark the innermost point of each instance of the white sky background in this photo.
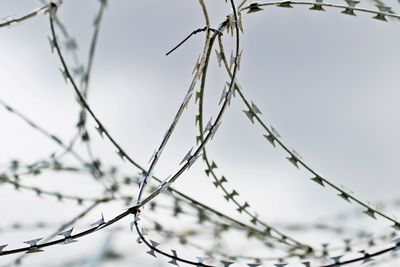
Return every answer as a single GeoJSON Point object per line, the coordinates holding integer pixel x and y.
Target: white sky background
{"type": "Point", "coordinates": [327, 82]}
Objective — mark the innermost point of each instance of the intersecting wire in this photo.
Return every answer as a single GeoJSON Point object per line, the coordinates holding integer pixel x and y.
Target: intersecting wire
{"type": "Point", "coordinates": [186, 239]}
{"type": "Point", "coordinates": [269, 230]}
{"type": "Point", "coordinates": [85, 74]}
{"type": "Point", "coordinates": [17, 170]}
{"type": "Point", "coordinates": [162, 253]}
{"type": "Point", "coordinates": [36, 168]}
{"type": "Point", "coordinates": [123, 154]}
{"type": "Point", "coordinates": [85, 78]}
{"type": "Point", "coordinates": [218, 252]}
{"type": "Point", "coordinates": [52, 9]}
{"type": "Point", "coordinates": [346, 247]}
{"type": "Point", "coordinates": [342, 263]}
{"type": "Point", "coordinates": [349, 247]}
{"type": "Point", "coordinates": [286, 3]}
{"type": "Point", "coordinates": [57, 195]}
{"type": "Point", "coordinates": [366, 256]}
{"type": "Point", "coordinates": [92, 46]}
{"type": "Point", "coordinates": [294, 158]}
{"type": "Point", "coordinates": [82, 130]}
{"type": "Point", "coordinates": [39, 191]}
{"type": "Point", "coordinates": [337, 228]}
{"type": "Point", "coordinates": [226, 101]}
{"type": "Point", "coordinates": [72, 48]}
{"type": "Point", "coordinates": [60, 197]}
{"type": "Point", "coordinates": [42, 225]}
{"type": "Point", "coordinates": [182, 196]}
{"type": "Point", "coordinates": [160, 230]}
{"type": "Point", "coordinates": [68, 149]}
{"type": "Point", "coordinates": [212, 166]}
{"type": "Point", "coordinates": [157, 154]}
{"type": "Point", "coordinates": [61, 228]}
{"type": "Point", "coordinates": [52, 137]}
{"type": "Point", "coordinates": [174, 256]}
{"type": "Point", "coordinates": [254, 110]}
{"type": "Point", "coordinates": [203, 218]}
{"type": "Point", "coordinates": [102, 129]}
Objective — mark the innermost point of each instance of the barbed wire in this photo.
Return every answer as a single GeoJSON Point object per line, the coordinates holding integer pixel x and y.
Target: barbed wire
{"type": "Point", "coordinates": [253, 113]}
{"type": "Point", "coordinates": [197, 205]}
{"type": "Point", "coordinates": [219, 182]}
{"type": "Point", "coordinates": [295, 252]}
{"type": "Point", "coordinates": [9, 21]}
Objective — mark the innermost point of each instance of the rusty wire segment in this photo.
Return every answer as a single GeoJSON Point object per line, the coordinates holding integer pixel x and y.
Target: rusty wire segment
{"type": "Point", "coordinates": [207, 223]}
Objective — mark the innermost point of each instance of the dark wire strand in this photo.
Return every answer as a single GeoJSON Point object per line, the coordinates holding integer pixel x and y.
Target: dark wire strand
{"type": "Point", "coordinates": [190, 35]}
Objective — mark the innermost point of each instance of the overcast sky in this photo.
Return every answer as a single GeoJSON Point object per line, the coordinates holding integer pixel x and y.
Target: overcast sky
{"type": "Point", "coordinates": [326, 81]}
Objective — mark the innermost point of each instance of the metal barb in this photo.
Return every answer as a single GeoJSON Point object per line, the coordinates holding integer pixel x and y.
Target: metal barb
{"type": "Point", "coordinates": [214, 129]}
{"type": "Point", "coordinates": [210, 168]}
{"type": "Point", "coordinates": [242, 208]}
{"type": "Point", "coordinates": [187, 157]}
{"type": "Point", "coordinates": [370, 213]}
{"type": "Point", "coordinates": [209, 125]}
{"type": "Point", "coordinates": [64, 74]}
{"type": "Point", "coordinates": [345, 196]}
{"type": "Point", "coordinates": [286, 4]}
{"type": "Point", "coordinates": [254, 7]}
{"type": "Point", "coordinates": [175, 256]}
{"type": "Point", "coordinates": [2, 248]}
{"type": "Point", "coordinates": [33, 248]}
{"type": "Point", "coordinates": [201, 260]}
{"type": "Point", "coordinates": [218, 183]}
{"type": "Point", "coordinates": [227, 263]}
{"type": "Point", "coordinates": [270, 138]}
{"type": "Point", "coordinates": [318, 180]}
{"type": "Point", "coordinates": [336, 259]}
{"type": "Point", "coordinates": [255, 108]}
{"type": "Point", "coordinates": [33, 242]}
{"type": "Point", "coordinates": [293, 160]}
{"type": "Point", "coordinates": [231, 195]}
{"type": "Point", "coordinates": [99, 222]}
{"type": "Point", "coordinates": [52, 44]}
{"type": "Point", "coordinates": [67, 236]}
{"type": "Point", "coordinates": [153, 156]}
